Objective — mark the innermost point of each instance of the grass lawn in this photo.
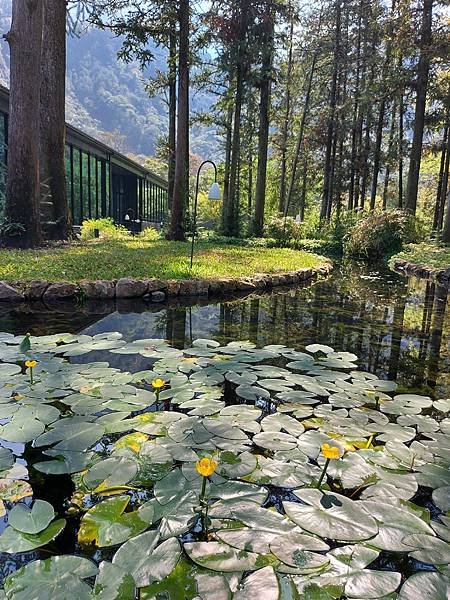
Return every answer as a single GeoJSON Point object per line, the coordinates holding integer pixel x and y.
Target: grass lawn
{"type": "Point", "coordinates": [428, 255]}
{"type": "Point", "coordinates": [141, 259]}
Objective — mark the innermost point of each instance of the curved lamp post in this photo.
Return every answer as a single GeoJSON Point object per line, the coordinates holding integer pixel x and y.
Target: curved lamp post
{"type": "Point", "coordinates": [214, 194]}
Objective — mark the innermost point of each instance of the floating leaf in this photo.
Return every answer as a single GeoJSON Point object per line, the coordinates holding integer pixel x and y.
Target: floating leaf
{"type": "Point", "coordinates": [106, 524]}
{"type": "Point", "coordinates": [31, 521]}
{"type": "Point", "coordinates": [58, 577]}
{"type": "Point", "coordinates": [346, 522]}
{"type": "Point", "coordinates": [12, 541]}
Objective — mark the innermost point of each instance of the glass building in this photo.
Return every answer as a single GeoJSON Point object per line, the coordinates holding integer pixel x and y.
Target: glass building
{"type": "Point", "coordinates": [100, 181]}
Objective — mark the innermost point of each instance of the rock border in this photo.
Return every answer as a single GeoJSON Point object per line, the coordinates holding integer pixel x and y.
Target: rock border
{"type": "Point", "coordinates": [442, 276]}
{"type": "Point", "coordinates": [154, 290]}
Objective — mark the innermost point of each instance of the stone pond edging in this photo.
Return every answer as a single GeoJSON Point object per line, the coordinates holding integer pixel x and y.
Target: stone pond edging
{"type": "Point", "coordinates": [442, 276]}
{"type": "Point", "coordinates": [155, 290]}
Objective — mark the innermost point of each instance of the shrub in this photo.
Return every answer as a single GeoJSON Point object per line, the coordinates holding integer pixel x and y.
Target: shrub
{"type": "Point", "coordinates": [282, 230]}
{"type": "Point", "coordinates": [149, 234]}
{"type": "Point", "coordinates": [107, 228]}
{"type": "Point", "coordinates": [380, 234]}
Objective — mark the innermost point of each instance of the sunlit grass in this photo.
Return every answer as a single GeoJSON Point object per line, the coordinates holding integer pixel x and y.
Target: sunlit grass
{"type": "Point", "coordinates": [140, 259]}
{"type": "Point", "coordinates": [436, 256]}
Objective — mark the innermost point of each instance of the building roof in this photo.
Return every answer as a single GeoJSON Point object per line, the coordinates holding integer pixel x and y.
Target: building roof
{"type": "Point", "coordinates": [90, 144]}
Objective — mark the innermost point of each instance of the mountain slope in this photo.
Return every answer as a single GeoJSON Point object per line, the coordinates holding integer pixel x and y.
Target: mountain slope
{"type": "Point", "coordinates": [106, 98]}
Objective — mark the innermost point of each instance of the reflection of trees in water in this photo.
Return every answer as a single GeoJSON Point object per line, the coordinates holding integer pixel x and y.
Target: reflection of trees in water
{"type": "Point", "coordinates": [398, 329]}
{"type": "Point", "coordinates": [365, 318]}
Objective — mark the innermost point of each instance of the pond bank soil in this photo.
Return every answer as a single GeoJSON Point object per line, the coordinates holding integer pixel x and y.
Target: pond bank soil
{"type": "Point", "coordinates": [152, 289]}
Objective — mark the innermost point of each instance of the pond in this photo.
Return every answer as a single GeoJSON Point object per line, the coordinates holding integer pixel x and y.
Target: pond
{"type": "Point", "coordinates": [288, 445]}
{"type": "Point", "coordinates": [398, 327]}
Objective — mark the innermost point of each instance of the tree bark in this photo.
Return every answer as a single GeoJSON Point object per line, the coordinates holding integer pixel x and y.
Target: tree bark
{"type": "Point", "coordinates": [226, 174]}
{"type": "Point", "coordinates": [23, 188]}
{"type": "Point", "coordinates": [53, 126]}
{"type": "Point", "coordinates": [263, 134]}
{"type": "Point", "coordinates": [446, 229]}
{"type": "Point", "coordinates": [181, 178]}
{"type": "Point", "coordinates": [444, 187]}
{"type": "Point", "coordinates": [328, 166]}
{"type": "Point", "coordinates": [419, 115]}
{"type": "Point", "coordinates": [172, 109]}
{"type": "Point", "coordinates": [286, 121]}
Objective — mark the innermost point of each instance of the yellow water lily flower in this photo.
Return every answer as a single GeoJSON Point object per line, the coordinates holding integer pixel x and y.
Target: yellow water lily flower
{"type": "Point", "coordinates": [330, 452]}
{"type": "Point", "coordinates": [370, 393]}
{"type": "Point", "coordinates": [206, 466]}
{"type": "Point", "coordinates": [30, 364]}
{"type": "Point", "coordinates": [158, 383]}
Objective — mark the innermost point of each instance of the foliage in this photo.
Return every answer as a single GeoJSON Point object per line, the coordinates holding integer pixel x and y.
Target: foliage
{"type": "Point", "coordinates": [149, 234]}
{"type": "Point", "coordinates": [341, 452]}
{"type": "Point", "coordinates": [283, 230]}
{"type": "Point", "coordinates": [128, 256]}
{"type": "Point", "coordinates": [381, 234]}
{"type": "Point", "coordinates": [106, 227]}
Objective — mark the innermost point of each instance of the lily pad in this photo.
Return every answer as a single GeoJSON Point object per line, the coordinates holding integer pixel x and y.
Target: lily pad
{"type": "Point", "coordinates": [31, 521]}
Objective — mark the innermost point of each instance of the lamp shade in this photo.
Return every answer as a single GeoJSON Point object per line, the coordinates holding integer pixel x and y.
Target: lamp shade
{"type": "Point", "coordinates": [214, 192]}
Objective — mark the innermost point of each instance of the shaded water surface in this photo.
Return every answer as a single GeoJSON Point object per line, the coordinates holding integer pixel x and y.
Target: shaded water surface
{"type": "Point", "coordinates": [399, 328]}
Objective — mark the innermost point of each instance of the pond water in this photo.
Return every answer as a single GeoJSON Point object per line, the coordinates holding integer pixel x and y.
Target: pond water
{"type": "Point", "coordinates": [398, 327]}
{"type": "Point", "coordinates": [89, 434]}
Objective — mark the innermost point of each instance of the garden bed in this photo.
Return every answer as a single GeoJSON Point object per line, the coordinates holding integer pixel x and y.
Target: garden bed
{"type": "Point", "coordinates": [150, 269]}
{"type": "Point", "coordinates": [427, 261]}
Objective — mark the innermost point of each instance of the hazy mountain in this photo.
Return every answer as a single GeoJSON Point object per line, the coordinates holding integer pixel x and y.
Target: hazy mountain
{"type": "Point", "coordinates": [106, 97]}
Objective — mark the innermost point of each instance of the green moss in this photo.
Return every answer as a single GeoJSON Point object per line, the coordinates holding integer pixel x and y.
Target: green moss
{"type": "Point", "coordinates": [134, 257]}
{"type": "Point", "coordinates": [434, 256]}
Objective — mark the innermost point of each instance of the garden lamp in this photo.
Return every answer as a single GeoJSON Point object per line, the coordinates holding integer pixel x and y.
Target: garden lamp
{"type": "Point", "coordinates": [214, 194]}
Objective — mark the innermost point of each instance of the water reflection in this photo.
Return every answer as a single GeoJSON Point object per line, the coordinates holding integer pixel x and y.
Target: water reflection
{"type": "Point", "coordinates": [400, 329]}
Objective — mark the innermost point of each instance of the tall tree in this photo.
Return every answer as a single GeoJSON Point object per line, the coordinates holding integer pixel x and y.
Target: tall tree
{"type": "Point", "coordinates": [421, 86]}
{"type": "Point", "coordinates": [23, 188]}
{"type": "Point", "coordinates": [52, 121]}
{"type": "Point", "coordinates": [264, 118]}
{"type": "Point", "coordinates": [181, 178]}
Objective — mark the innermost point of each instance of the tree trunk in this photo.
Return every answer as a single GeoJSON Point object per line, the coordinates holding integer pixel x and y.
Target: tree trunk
{"type": "Point", "coordinates": [446, 229]}
{"type": "Point", "coordinates": [172, 109]}
{"type": "Point", "coordinates": [286, 121]}
{"type": "Point", "coordinates": [226, 174]}
{"type": "Point", "coordinates": [23, 188]}
{"type": "Point", "coordinates": [231, 225]}
{"type": "Point", "coordinates": [301, 133]}
{"type": "Point", "coordinates": [389, 156]}
{"type": "Point", "coordinates": [351, 190]}
{"type": "Point", "coordinates": [328, 166]}
{"type": "Point", "coordinates": [55, 214]}
{"type": "Point", "coordinates": [181, 178]}
{"type": "Point", "coordinates": [400, 151]}
{"type": "Point", "coordinates": [377, 154]}
{"type": "Point", "coordinates": [444, 184]}
{"type": "Point", "coordinates": [263, 133]}
{"type": "Point", "coordinates": [301, 208]}
{"type": "Point", "coordinates": [419, 115]}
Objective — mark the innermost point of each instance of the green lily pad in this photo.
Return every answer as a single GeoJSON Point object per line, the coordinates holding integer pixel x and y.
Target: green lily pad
{"type": "Point", "coordinates": [145, 560]}
{"type": "Point", "coordinates": [349, 521]}
{"type": "Point", "coordinates": [31, 521]}
{"type": "Point", "coordinates": [106, 524]}
{"type": "Point", "coordinates": [113, 583]}
{"type": "Point", "coordinates": [12, 541]}
{"type": "Point", "coordinates": [425, 585]}
{"type": "Point", "coordinates": [218, 556]}
{"type": "Point", "coordinates": [57, 577]}
{"type": "Point", "coordinates": [260, 584]}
